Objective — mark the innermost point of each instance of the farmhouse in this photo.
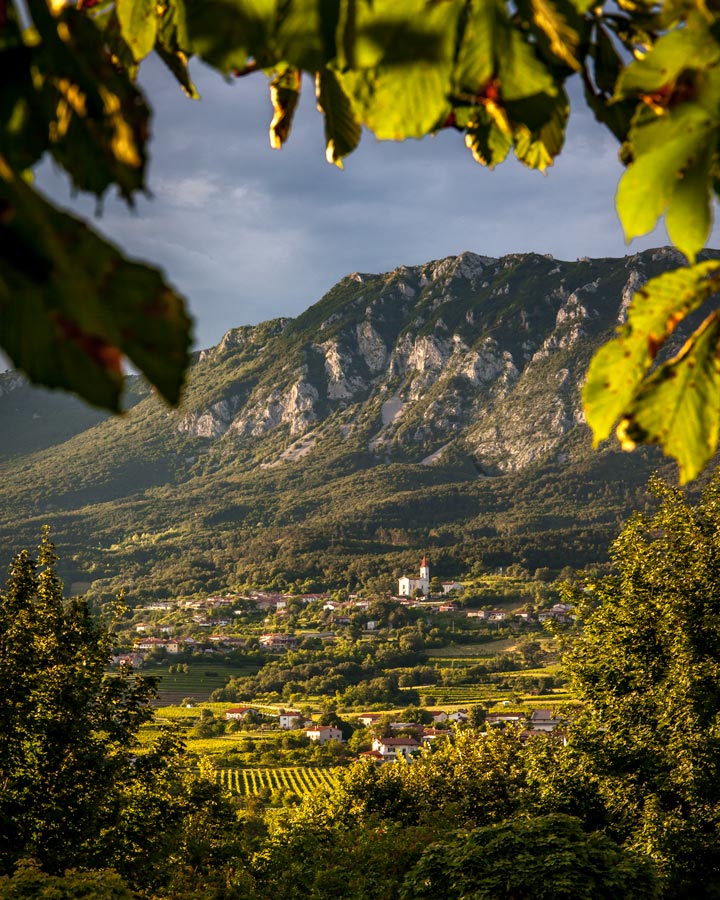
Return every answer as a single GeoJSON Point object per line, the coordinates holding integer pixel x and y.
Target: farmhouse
{"type": "Point", "coordinates": [278, 641]}
{"type": "Point", "coordinates": [238, 713]}
{"type": "Point", "coordinates": [291, 718]}
{"type": "Point", "coordinates": [321, 734]}
{"type": "Point", "coordinates": [395, 747]}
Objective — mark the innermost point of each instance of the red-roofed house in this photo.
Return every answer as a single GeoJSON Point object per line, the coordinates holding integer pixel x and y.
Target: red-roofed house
{"type": "Point", "coordinates": [238, 713]}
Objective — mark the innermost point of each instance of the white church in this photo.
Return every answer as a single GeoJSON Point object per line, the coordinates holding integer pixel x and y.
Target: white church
{"type": "Point", "coordinates": [407, 585]}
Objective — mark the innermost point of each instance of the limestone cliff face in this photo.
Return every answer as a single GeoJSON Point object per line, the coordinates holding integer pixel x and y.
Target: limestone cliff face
{"type": "Point", "coordinates": [470, 353]}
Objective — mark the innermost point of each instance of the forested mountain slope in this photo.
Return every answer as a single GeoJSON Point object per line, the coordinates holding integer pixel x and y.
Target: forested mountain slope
{"type": "Point", "coordinates": [434, 407]}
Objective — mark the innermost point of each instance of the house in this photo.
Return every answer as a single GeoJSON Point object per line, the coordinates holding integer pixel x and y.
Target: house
{"type": "Point", "coordinates": [509, 718]}
{"type": "Point", "coordinates": [395, 747]}
{"type": "Point", "coordinates": [407, 585]}
{"type": "Point", "coordinates": [448, 586]}
{"type": "Point", "coordinates": [524, 615]}
{"type": "Point", "coordinates": [460, 715]}
{"type": "Point", "coordinates": [291, 718]}
{"type": "Point", "coordinates": [478, 614]}
{"type": "Point", "coordinates": [428, 735]}
{"type": "Point", "coordinates": [238, 713]}
{"type": "Point", "coordinates": [150, 643]}
{"type": "Point", "coordinates": [438, 715]}
{"type": "Point", "coordinates": [372, 755]}
{"type": "Point", "coordinates": [369, 719]}
{"type": "Point", "coordinates": [321, 734]}
{"type": "Point", "coordinates": [560, 612]}
{"type": "Point", "coordinates": [544, 720]}
{"type": "Point", "coordinates": [448, 607]}
{"type": "Point", "coordinates": [497, 615]}
{"type": "Point", "coordinates": [278, 641]}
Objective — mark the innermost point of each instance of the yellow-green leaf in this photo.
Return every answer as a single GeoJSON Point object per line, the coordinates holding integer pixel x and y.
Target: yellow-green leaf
{"type": "Point", "coordinates": [689, 217]}
{"type": "Point", "coordinates": [138, 24]}
{"type": "Point", "coordinates": [617, 370]}
{"type": "Point", "coordinates": [563, 38]}
{"type": "Point", "coordinates": [679, 405]}
{"type": "Point", "coordinates": [666, 148]}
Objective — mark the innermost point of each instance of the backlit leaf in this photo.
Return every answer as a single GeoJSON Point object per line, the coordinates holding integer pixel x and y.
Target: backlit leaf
{"type": "Point", "coordinates": [342, 130]}
{"type": "Point", "coordinates": [562, 36]}
{"type": "Point", "coordinates": [619, 367]}
{"type": "Point", "coordinates": [138, 22]}
{"type": "Point", "coordinates": [284, 96]}
{"type": "Point", "coordinates": [678, 407]}
{"type": "Point", "coordinates": [689, 217]}
{"type": "Point", "coordinates": [666, 148]}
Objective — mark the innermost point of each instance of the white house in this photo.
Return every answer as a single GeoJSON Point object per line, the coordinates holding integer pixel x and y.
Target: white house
{"type": "Point", "coordinates": [321, 734]}
{"type": "Point", "coordinates": [449, 586]}
{"type": "Point", "coordinates": [395, 747]}
{"type": "Point", "coordinates": [544, 720]}
{"type": "Point", "coordinates": [238, 713]}
{"type": "Point", "coordinates": [290, 719]}
{"type": "Point", "coordinates": [407, 585]}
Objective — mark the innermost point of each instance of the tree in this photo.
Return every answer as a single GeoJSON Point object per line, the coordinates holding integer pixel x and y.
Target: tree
{"type": "Point", "coordinates": [78, 789]}
{"type": "Point", "coordinates": [548, 856]}
{"type": "Point", "coordinates": [646, 670]}
{"type": "Point", "coordinates": [71, 307]}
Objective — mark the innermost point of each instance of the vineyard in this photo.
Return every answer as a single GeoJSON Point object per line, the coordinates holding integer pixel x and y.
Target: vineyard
{"type": "Point", "coordinates": [299, 780]}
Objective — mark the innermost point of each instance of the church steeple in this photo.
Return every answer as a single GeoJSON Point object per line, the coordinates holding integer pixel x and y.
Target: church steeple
{"type": "Point", "coordinates": [424, 569]}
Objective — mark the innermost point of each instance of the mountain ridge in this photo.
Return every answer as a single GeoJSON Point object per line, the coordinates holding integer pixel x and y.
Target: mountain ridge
{"type": "Point", "coordinates": [433, 405]}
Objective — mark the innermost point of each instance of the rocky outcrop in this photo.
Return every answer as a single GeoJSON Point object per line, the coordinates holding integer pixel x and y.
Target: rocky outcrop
{"type": "Point", "coordinates": [470, 352]}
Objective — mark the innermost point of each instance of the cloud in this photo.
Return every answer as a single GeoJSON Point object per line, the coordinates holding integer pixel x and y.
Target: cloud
{"type": "Point", "coordinates": [248, 233]}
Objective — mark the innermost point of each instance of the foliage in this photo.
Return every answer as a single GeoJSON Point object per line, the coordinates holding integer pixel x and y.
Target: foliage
{"type": "Point", "coordinates": [645, 669]}
{"type": "Point", "coordinates": [547, 856]}
{"type": "Point", "coordinates": [493, 71]}
{"type": "Point", "coordinates": [78, 789]}
{"type": "Point", "coordinates": [30, 883]}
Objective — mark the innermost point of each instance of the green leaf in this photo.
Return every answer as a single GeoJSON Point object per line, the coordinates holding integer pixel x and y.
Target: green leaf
{"type": "Point", "coordinates": [138, 24]}
{"type": "Point", "coordinates": [665, 149]}
{"type": "Point", "coordinates": [538, 143]}
{"type": "Point", "coordinates": [689, 217]}
{"type": "Point", "coordinates": [685, 48]}
{"type": "Point", "coordinates": [172, 44]}
{"type": "Point", "coordinates": [563, 38]}
{"type": "Point", "coordinates": [493, 48]}
{"type": "Point", "coordinates": [227, 33]}
{"type": "Point", "coordinates": [398, 103]}
{"type": "Point", "coordinates": [678, 407]}
{"type": "Point", "coordinates": [618, 368]}
{"type": "Point", "coordinates": [71, 306]}
{"type": "Point", "coordinates": [402, 60]}
{"type": "Point", "coordinates": [342, 130]}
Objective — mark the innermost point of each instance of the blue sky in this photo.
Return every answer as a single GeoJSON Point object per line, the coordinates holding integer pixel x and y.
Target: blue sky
{"type": "Point", "coordinates": [247, 233]}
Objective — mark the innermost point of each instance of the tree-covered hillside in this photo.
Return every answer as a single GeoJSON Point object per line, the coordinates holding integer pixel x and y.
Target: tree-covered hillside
{"type": "Point", "coordinates": [434, 407]}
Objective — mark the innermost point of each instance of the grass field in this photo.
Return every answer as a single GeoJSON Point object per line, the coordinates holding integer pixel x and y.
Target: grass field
{"type": "Point", "coordinates": [298, 780]}
{"type": "Point", "coordinates": [199, 682]}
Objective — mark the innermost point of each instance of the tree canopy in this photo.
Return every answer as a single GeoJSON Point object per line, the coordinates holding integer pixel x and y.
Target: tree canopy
{"type": "Point", "coordinates": [78, 788]}
{"type": "Point", "coordinates": [72, 307]}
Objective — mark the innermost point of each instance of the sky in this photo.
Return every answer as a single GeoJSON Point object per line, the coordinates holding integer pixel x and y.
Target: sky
{"type": "Point", "coordinates": [247, 233]}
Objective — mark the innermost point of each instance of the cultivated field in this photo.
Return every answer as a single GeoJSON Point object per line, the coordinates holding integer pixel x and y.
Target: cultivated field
{"type": "Point", "coordinates": [298, 780]}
